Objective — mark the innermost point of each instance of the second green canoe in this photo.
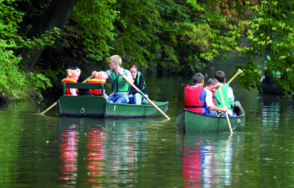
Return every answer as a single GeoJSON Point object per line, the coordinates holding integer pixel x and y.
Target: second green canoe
{"type": "Point", "coordinates": [193, 122]}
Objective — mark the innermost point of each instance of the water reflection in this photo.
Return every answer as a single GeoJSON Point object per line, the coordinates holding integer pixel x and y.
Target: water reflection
{"type": "Point", "coordinates": [207, 159]}
{"type": "Point", "coordinates": [68, 154]}
{"type": "Point", "coordinates": [270, 112]}
{"type": "Point", "coordinates": [102, 152]}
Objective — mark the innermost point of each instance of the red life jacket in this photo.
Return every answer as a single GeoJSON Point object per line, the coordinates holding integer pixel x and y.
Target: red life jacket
{"type": "Point", "coordinates": [213, 97]}
{"type": "Point", "coordinates": [192, 99]}
{"type": "Point", "coordinates": [96, 92]}
{"type": "Point", "coordinates": [69, 80]}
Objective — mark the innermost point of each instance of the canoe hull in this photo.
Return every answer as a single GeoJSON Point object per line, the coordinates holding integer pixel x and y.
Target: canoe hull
{"type": "Point", "coordinates": [88, 106]}
{"type": "Point", "coordinates": [189, 121]}
{"type": "Point", "coordinates": [270, 88]}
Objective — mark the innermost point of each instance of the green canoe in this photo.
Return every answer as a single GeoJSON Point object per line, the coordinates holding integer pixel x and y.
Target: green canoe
{"type": "Point", "coordinates": [193, 122]}
{"type": "Point", "coordinates": [270, 88]}
{"type": "Point", "coordinates": [98, 106]}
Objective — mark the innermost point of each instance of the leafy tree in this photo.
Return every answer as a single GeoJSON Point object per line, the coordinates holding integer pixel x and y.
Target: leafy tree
{"type": "Point", "coordinates": [15, 82]}
{"type": "Point", "coordinates": [270, 33]}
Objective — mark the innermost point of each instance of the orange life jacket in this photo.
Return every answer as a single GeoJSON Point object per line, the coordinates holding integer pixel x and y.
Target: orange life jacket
{"type": "Point", "coordinates": [96, 92]}
{"type": "Point", "coordinates": [69, 80]}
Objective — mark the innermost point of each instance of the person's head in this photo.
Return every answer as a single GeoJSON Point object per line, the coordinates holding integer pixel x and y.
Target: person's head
{"type": "Point", "coordinates": [210, 84]}
{"type": "Point", "coordinates": [198, 78]}
{"type": "Point", "coordinates": [102, 75]}
{"type": "Point", "coordinates": [134, 71]}
{"type": "Point", "coordinates": [115, 61]}
{"type": "Point", "coordinates": [220, 76]}
{"type": "Point", "coordinates": [73, 73]}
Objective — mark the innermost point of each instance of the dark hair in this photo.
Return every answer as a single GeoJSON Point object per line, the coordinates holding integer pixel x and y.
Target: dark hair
{"type": "Point", "coordinates": [211, 81]}
{"type": "Point", "coordinates": [198, 78]}
{"type": "Point", "coordinates": [220, 76]}
{"type": "Point", "coordinates": [215, 80]}
{"type": "Point", "coordinates": [134, 66]}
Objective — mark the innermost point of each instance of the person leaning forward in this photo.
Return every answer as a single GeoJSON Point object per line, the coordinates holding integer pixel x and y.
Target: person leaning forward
{"type": "Point", "coordinates": [211, 108]}
{"type": "Point", "coordinates": [120, 87]}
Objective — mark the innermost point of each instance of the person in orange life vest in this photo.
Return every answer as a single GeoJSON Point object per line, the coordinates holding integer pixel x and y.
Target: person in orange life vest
{"type": "Point", "coordinates": [196, 97]}
{"type": "Point", "coordinates": [227, 93]}
{"type": "Point", "coordinates": [100, 78]}
{"type": "Point", "coordinates": [212, 109]}
{"type": "Point", "coordinates": [72, 77]}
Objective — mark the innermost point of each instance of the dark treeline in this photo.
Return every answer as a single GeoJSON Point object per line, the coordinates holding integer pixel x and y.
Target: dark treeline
{"type": "Point", "coordinates": [40, 38]}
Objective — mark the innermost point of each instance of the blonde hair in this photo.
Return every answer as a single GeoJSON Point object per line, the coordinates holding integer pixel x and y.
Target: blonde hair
{"type": "Point", "coordinates": [116, 58]}
{"type": "Point", "coordinates": [101, 74]}
{"type": "Point", "coordinates": [71, 72]}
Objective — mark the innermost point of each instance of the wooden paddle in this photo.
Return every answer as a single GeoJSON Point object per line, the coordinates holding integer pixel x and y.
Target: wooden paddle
{"type": "Point", "coordinates": [229, 123]}
{"type": "Point", "coordinates": [54, 104]}
{"type": "Point", "coordinates": [238, 72]}
{"type": "Point", "coordinates": [145, 97]}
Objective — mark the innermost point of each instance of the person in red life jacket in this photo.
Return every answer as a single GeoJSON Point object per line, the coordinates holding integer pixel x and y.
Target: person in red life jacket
{"type": "Point", "coordinates": [99, 78]}
{"type": "Point", "coordinates": [212, 109]}
{"type": "Point", "coordinates": [196, 97]}
{"type": "Point", "coordinates": [134, 96]}
{"type": "Point", "coordinates": [72, 77]}
{"type": "Point", "coordinates": [227, 93]}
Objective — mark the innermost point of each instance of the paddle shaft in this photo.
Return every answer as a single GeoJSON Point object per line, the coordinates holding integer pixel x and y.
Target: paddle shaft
{"type": "Point", "coordinates": [229, 123]}
{"type": "Point", "coordinates": [238, 72]}
{"type": "Point", "coordinates": [145, 96]}
{"type": "Point", "coordinates": [54, 104]}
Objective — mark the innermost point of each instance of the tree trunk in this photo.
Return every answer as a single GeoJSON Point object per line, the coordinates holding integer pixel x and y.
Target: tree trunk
{"type": "Point", "coordinates": [57, 14]}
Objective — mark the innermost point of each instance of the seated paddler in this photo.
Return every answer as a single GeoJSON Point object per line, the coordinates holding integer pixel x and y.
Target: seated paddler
{"type": "Point", "coordinates": [196, 98]}
{"type": "Point", "coordinates": [136, 97]}
{"type": "Point", "coordinates": [270, 75]}
{"type": "Point", "coordinates": [72, 77]}
{"type": "Point", "coordinates": [99, 78]}
{"type": "Point", "coordinates": [120, 87]}
{"type": "Point", "coordinates": [210, 88]}
{"type": "Point", "coordinates": [227, 93]}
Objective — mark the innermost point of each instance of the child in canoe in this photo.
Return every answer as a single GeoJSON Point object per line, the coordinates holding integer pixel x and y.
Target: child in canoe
{"type": "Point", "coordinates": [99, 78]}
{"type": "Point", "coordinates": [72, 77]}
{"type": "Point", "coordinates": [199, 99]}
{"type": "Point", "coordinates": [227, 93]}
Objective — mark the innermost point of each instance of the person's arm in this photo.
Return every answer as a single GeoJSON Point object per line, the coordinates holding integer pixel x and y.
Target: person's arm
{"type": "Point", "coordinates": [230, 94]}
{"type": "Point", "coordinates": [215, 108]}
{"type": "Point", "coordinates": [108, 73]}
{"type": "Point", "coordinates": [141, 82]}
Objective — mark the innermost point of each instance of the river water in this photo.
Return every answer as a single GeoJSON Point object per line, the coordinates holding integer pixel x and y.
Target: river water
{"type": "Point", "coordinates": [50, 151]}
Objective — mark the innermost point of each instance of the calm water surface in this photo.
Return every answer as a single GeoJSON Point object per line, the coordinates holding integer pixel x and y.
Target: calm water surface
{"type": "Point", "coordinates": [49, 151]}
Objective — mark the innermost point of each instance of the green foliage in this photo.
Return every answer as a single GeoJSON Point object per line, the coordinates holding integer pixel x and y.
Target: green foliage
{"type": "Point", "coordinates": [15, 83]}
{"type": "Point", "coordinates": [250, 76]}
{"type": "Point", "coordinates": [272, 28]}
